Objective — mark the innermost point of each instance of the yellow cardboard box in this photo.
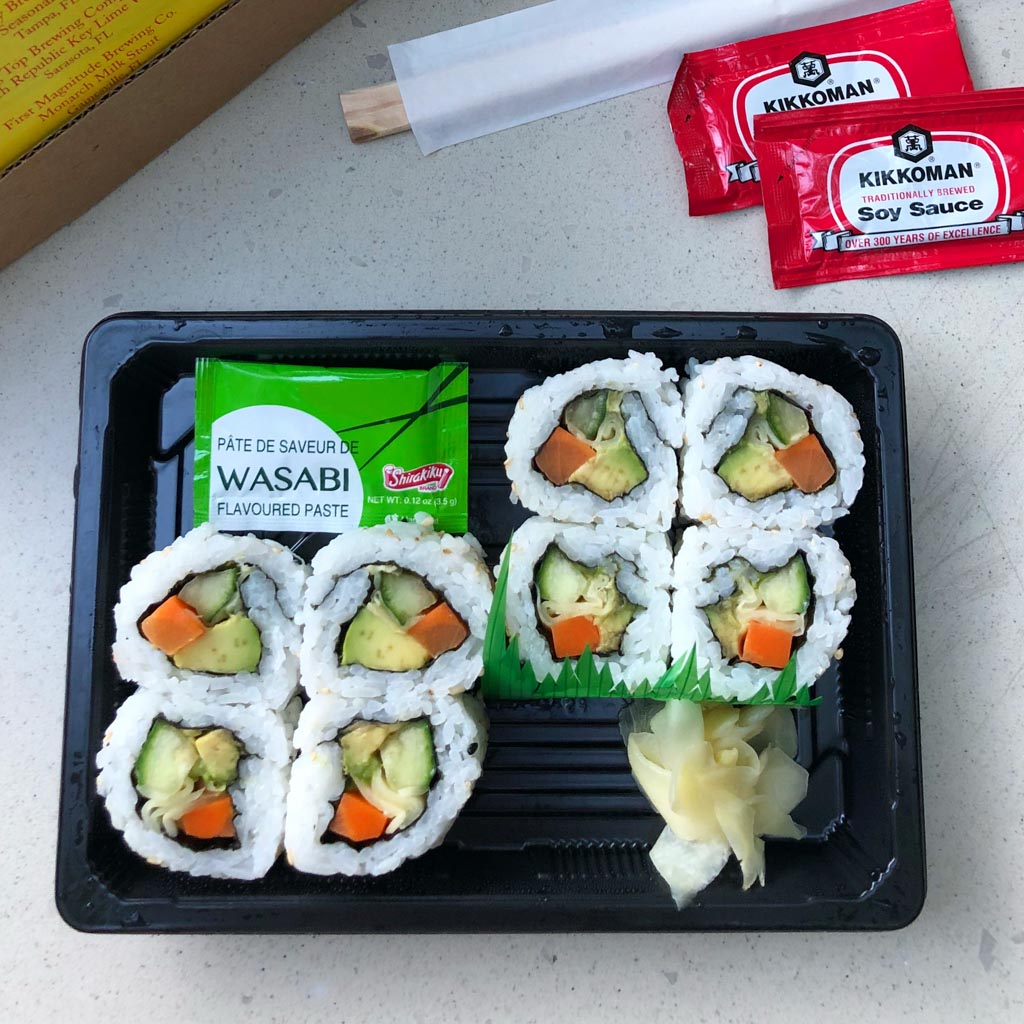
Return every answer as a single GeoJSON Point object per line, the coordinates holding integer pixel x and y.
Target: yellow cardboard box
{"type": "Point", "coordinates": [147, 91]}
{"type": "Point", "coordinates": [58, 56]}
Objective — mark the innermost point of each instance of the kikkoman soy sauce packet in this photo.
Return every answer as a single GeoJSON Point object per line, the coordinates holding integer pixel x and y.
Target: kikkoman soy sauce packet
{"type": "Point", "coordinates": [325, 450]}
{"type": "Point", "coordinates": [894, 187]}
{"type": "Point", "coordinates": [912, 50]}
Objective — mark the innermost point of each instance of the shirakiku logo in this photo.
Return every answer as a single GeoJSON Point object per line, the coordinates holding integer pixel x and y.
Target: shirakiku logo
{"type": "Point", "coordinates": [917, 187]}
{"type": "Point", "coordinates": [435, 476]}
{"type": "Point", "coordinates": [807, 81]}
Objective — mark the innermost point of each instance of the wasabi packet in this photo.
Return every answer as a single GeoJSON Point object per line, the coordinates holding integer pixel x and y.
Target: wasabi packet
{"type": "Point", "coordinates": [325, 450]}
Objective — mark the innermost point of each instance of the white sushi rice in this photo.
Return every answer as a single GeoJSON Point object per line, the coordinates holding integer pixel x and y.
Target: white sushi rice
{"type": "Point", "coordinates": [259, 794]}
{"type": "Point", "coordinates": [272, 595]}
{"type": "Point", "coordinates": [644, 574]}
{"type": "Point", "coordinates": [717, 412]}
{"type": "Point", "coordinates": [705, 548]}
{"type": "Point", "coordinates": [653, 412]}
{"type": "Point", "coordinates": [340, 584]}
{"type": "Point", "coordinates": [460, 739]}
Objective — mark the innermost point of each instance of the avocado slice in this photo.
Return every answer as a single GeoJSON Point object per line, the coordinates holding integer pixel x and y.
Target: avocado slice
{"type": "Point", "coordinates": [786, 591]}
{"type": "Point", "coordinates": [227, 648]}
{"type": "Point", "coordinates": [165, 760]}
{"type": "Point", "coordinates": [405, 594]}
{"type": "Point", "coordinates": [788, 422]}
{"type": "Point", "coordinates": [614, 625]}
{"type": "Point", "coordinates": [559, 579]}
{"type": "Point", "coordinates": [218, 753]}
{"type": "Point", "coordinates": [751, 470]}
{"type": "Point", "coordinates": [360, 748]}
{"type": "Point", "coordinates": [726, 626]}
{"type": "Point", "coordinates": [614, 471]}
{"type": "Point", "coordinates": [213, 594]}
{"type": "Point", "coordinates": [374, 639]}
{"type": "Point", "coordinates": [408, 757]}
{"type": "Point", "coordinates": [585, 414]}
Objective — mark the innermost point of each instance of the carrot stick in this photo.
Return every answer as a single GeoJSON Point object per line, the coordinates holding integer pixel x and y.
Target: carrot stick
{"type": "Point", "coordinates": [561, 455]}
{"type": "Point", "coordinates": [172, 626]}
{"type": "Point", "coordinates": [439, 630]}
{"type": "Point", "coordinates": [357, 820]}
{"type": "Point", "coordinates": [571, 636]}
{"type": "Point", "coordinates": [767, 646]}
{"type": "Point", "coordinates": [807, 463]}
{"type": "Point", "coordinates": [210, 818]}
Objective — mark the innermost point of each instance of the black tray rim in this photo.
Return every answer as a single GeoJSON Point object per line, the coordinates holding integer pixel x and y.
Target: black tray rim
{"type": "Point", "coordinates": [86, 905]}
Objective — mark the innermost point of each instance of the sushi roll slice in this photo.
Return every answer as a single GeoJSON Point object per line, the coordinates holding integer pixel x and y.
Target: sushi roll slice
{"type": "Point", "coordinates": [377, 783]}
{"type": "Point", "coordinates": [395, 609]}
{"type": "Point", "coordinates": [197, 787]}
{"type": "Point", "coordinates": [749, 599]}
{"type": "Point", "coordinates": [598, 444]}
{"type": "Point", "coordinates": [573, 587]}
{"type": "Point", "coordinates": [213, 616]}
{"type": "Point", "coordinates": [767, 447]}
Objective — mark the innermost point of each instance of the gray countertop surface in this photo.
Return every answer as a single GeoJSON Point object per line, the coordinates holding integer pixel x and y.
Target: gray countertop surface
{"type": "Point", "coordinates": [267, 205]}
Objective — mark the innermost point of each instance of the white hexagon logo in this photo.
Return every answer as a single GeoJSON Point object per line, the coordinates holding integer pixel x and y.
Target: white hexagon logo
{"type": "Point", "coordinates": [810, 69]}
{"type": "Point", "coordinates": [912, 143]}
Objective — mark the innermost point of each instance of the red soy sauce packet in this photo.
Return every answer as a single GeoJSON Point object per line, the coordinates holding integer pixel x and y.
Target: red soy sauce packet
{"type": "Point", "coordinates": [894, 187]}
{"type": "Point", "coordinates": [912, 50]}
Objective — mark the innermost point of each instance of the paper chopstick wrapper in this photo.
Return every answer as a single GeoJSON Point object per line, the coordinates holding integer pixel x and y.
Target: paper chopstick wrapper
{"type": "Point", "coordinates": [520, 67]}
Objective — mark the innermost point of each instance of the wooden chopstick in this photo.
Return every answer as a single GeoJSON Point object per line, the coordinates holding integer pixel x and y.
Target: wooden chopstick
{"type": "Point", "coordinates": [374, 112]}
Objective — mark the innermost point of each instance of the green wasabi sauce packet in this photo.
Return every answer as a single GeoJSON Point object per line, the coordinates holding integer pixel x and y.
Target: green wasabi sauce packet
{"type": "Point", "coordinates": [325, 450]}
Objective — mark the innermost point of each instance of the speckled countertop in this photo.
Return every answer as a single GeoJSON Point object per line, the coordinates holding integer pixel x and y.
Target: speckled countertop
{"type": "Point", "coordinates": [267, 205]}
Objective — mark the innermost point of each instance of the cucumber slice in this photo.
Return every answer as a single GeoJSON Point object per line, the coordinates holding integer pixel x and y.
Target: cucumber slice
{"type": "Point", "coordinates": [559, 579]}
{"type": "Point", "coordinates": [586, 413]}
{"type": "Point", "coordinates": [408, 757]}
{"type": "Point", "coordinates": [786, 591]}
{"type": "Point", "coordinates": [752, 471]}
{"type": "Point", "coordinates": [210, 594]}
{"type": "Point", "coordinates": [787, 421]}
{"type": "Point", "coordinates": [165, 760]}
{"type": "Point", "coordinates": [228, 647]}
{"type": "Point", "coordinates": [405, 595]}
{"type": "Point", "coordinates": [758, 431]}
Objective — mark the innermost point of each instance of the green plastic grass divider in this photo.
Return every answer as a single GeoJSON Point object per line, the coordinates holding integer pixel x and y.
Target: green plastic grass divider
{"type": "Point", "coordinates": [506, 677]}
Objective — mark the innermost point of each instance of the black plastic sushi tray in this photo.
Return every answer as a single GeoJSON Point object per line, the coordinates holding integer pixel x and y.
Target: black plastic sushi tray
{"type": "Point", "coordinates": [556, 836]}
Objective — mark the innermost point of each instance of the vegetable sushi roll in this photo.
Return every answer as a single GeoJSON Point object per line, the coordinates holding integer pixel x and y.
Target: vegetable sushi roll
{"type": "Point", "coordinates": [767, 447]}
{"type": "Point", "coordinates": [213, 615]}
{"type": "Point", "coordinates": [376, 783]}
{"type": "Point", "coordinates": [197, 787]}
{"type": "Point", "coordinates": [597, 444]}
{"type": "Point", "coordinates": [574, 587]}
{"type": "Point", "coordinates": [396, 609]}
{"type": "Point", "coordinates": [751, 599]}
